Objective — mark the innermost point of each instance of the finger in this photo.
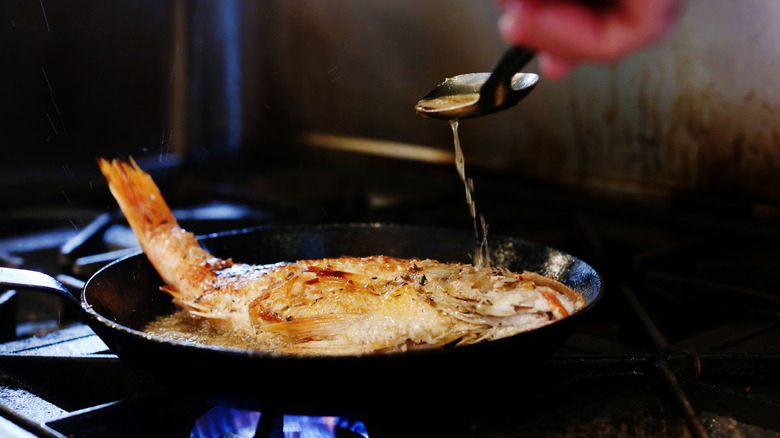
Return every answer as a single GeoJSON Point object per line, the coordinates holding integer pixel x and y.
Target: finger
{"type": "Point", "coordinates": [570, 30]}
{"type": "Point", "coordinates": [555, 68]}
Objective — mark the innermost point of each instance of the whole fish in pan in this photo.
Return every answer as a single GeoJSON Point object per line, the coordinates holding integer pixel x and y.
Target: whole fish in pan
{"type": "Point", "coordinates": [333, 306]}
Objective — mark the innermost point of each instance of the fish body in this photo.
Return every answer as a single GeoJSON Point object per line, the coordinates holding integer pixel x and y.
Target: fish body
{"type": "Point", "coordinates": [334, 306]}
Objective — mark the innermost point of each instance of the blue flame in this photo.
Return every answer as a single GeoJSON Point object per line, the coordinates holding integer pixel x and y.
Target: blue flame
{"type": "Point", "coordinates": [222, 421]}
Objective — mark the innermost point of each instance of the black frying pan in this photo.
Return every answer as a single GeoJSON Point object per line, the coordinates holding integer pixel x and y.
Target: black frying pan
{"type": "Point", "coordinates": [120, 299]}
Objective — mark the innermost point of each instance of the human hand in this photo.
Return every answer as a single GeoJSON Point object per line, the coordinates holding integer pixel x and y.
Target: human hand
{"type": "Point", "coordinates": [568, 32]}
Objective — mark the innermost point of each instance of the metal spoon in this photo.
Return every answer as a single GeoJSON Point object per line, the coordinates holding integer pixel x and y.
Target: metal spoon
{"type": "Point", "coordinates": [479, 94]}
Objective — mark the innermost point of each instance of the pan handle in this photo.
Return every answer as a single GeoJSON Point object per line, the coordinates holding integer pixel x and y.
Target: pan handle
{"type": "Point", "coordinates": [12, 278]}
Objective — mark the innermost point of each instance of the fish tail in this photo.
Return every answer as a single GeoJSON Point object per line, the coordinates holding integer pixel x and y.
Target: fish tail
{"type": "Point", "coordinates": [138, 196]}
{"type": "Point", "coordinates": [174, 252]}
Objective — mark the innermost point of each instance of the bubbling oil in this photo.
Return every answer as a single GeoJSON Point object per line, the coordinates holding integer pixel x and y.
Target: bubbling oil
{"type": "Point", "coordinates": [481, 252]}
{"type": "Point", "coordinates": [183, 327]}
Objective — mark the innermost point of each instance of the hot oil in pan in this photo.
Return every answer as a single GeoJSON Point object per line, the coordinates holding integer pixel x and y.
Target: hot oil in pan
{"type": "Point", "coordinates": [183, 327]}
{"type": "Point", "coordinates": [482, 252]}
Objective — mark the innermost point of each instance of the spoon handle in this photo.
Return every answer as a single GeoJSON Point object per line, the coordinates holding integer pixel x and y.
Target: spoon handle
{"type": "Point", "coordinates": [498, 85]}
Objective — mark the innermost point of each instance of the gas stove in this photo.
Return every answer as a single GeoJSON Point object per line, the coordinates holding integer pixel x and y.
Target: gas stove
{"type": "Point", "coordinates": [685, 342]}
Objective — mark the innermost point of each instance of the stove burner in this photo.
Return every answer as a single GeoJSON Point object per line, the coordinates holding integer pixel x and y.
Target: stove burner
{"type": "Point", "coordinates": [229, 422]}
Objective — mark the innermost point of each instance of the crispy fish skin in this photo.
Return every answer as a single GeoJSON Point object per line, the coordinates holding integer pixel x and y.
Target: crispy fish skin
{"type": "Point", "coordinates": [336, 306]}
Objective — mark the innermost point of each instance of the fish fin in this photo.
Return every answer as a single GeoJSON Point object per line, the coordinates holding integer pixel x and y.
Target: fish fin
{"type": "Point", "coordinates": [192, 308]}
{"type": "Point", "coordinates": [312, 327]}
{"type": "Point", "coordinates": [172, 292]}
{"type": "Point", "coordinates": [201, 311]}
{"type": "Point", "coordinates": [208, 315]}
{"type": "Point", "coordinates": [182, 301]}
{"type": "Point", "coordinates": [326, 347]}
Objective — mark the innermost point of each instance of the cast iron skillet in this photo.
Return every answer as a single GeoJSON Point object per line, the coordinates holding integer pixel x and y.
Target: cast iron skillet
{"type": "Point", "coordinates": [124, 296]}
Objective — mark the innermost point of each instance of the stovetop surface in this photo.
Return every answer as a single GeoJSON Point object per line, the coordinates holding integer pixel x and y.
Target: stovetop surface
{"type": "Point", "coordinates": [685, 342]}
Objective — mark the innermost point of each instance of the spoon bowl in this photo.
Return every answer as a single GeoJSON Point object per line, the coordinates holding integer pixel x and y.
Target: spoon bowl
{"type": "Point", "coordinates": [478, 94]}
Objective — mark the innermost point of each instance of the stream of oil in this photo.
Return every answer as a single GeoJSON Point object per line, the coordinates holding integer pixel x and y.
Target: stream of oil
{"type": "Point", "coordinates": [481, 252]}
